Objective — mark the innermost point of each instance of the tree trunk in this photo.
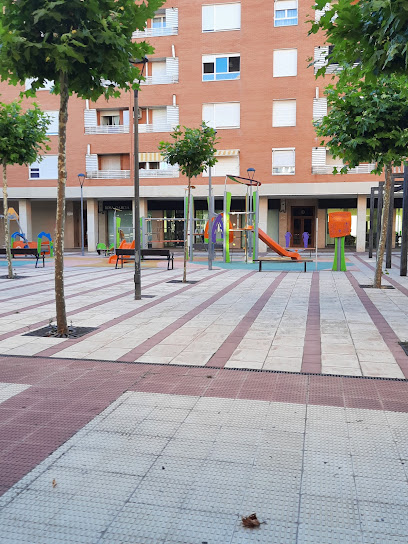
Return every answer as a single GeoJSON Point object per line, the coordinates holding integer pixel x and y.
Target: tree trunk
{"type": "Point", "coordinates": [6, 224]}
{"type": "Point", "coordinates": [62, 328]}
{"type": "Point", "coordinates": [384, 227]}
{"type": "Point", "coordinates": [187, 221]}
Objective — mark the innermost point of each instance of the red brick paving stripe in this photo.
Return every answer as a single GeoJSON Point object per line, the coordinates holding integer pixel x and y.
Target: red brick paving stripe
{"type": "Point", "coordinates": [312, 354]}
{"type": "Point", "coordinates": [66, 394]}
{"type": "Point", "coordinates": [92, 290]}
{"type": "Point", "coordinates": [70, 342]}
{"type": "Point", "coordinates": [230, 344]}
{"type": "Point", "coordinates": [388, 335]}
{"type": "Point", "coordinates": [392, 281]}
{"type": "Point", "coordinates": [34, 326]}
{"type": "Point", "coordinates": [141, 349]}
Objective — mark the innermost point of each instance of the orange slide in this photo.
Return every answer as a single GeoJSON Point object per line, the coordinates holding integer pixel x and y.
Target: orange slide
{"type": "Point", "coordinates": [276, 247]}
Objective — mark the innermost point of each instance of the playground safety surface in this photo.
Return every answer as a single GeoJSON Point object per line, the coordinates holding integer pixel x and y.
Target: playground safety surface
{"type": "Point", "coordinates": [280, 393]}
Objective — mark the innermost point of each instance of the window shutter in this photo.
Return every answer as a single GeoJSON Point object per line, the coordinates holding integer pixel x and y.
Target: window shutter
{"type": "Point", "coordinates": [172, 116]}
{"type": "Point", "coordinates": [284, 62]}
{"type": "Point", "coordinates": [158, 69]}
{"type": "Point", "coordinates": [110, 162]}
{"type": "Point", "coordinates": [320, 12]}
{"type": "Point", "coordinates": [126, 118]}
{"type": "Point", "coordinates": [53, 127]}
{"type": "Point", "coordinates": [208, 114]}
{"type": "Point", "coordinates": [159, 119]}
{"type": "Point", "coordinates": [91, 163]}
{"type": "Point", "coordinates": [172, 67]}
{"type": "Point", "coordinates": [283, 157]}
{"type": "Point", "coordinates": [207, 18]}
{"type": "Point", "coordinates": [227, 115]}
{"type": "Point", "coordinates": [172, 17]}
{"type": "Point", "coordinates": [227, 165]}
{"type": "Point", "coordinates": [319, 156]}
{"type": "Point", "coordinates": [320, 54]}
{"type": "Point", "coordinates": [90, 118]}
{"type": "Point", "coordinates": [48, 167]}
{"type": "Point", "coordinates": [284, 113]}
{"type": "Point", "coordinates": [286, 4]}
{"type": "Point", "coordinates": [48, 85]}
{"type": "Point", "coordinates": [227, 16]}
{"type": "Point", "coordinates": [319, 108]}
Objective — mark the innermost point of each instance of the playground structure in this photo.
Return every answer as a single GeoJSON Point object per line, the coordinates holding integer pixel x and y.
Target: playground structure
{"type": "Point", "coordinates": [223, 229]}
{"type": "Point", "coordinates": [399, 184]}
{"type": "Point", "coordinates": [41, 245]}
{"type": "Point", "coordinates": [339, 228]}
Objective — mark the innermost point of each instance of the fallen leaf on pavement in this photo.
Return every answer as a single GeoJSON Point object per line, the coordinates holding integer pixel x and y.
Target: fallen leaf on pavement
{"type": "Point", "coordinates": [54, 483]}
{"type": "Point", "coordinates": [251, 521]}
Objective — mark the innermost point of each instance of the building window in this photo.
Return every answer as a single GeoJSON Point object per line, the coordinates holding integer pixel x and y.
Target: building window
{"type": "Point", "coordinates": [47, 168]}
{"type": "Point", "coordinates": [284, 62]}
{"type": "Point", "coordinates": [159, 21]}
{"type": "Point", "coordinates": [223, 115]}
{"type": "Point", "coordinates": [110, 118]}
{"type": "Point", "coordinates": [283, 161]}
{"type": "Point", "coordinates": [225, 165]}
{"type": "Point", "coordinates": [286, 12]}
{"type": "Point", "coordinates": [221, 17]}
{"type": "Point", "coordinates": [221, 67]}
{"type": "Point", "coordinates": [53, 127]}
{"type": "Point", "coordinates": [284, 113]}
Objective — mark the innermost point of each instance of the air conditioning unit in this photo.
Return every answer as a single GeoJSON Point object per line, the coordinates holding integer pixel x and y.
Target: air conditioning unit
{"type": "Point", "coordinates": [139, 113]}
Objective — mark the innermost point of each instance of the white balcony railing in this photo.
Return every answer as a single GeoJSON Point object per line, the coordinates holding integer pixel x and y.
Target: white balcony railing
{"type": "Point", "coordinates": [153, 32]}
{"type": "Point", "coordinates": [155, 127]}
{"type": "Point", "coordinates": [108, 174]}
{"type": "Point", "coordinates": [167, 173]}
{"type": "Point", "coordinates": [328, 169]}
{"type": "Point", "coordinates": [160, 80]}
{"type": "Point", "coordinates": [107, 129]}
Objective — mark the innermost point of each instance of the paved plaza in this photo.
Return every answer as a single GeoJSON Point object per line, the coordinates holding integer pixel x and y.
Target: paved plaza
{"type": "Point", "coordinates": [279, 393]}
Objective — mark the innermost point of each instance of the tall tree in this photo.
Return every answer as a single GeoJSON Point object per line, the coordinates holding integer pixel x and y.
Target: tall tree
{"type": "Point", "coordinates": [373, 31]}
{"type": "Point", "coordinates": [368, 122]}
{"type": "Point", "coordinates": [84, 47]}
{"type": "Point", "coordinates": [22, 137]}
{"type": "Point", "coordinates": [193, 150]}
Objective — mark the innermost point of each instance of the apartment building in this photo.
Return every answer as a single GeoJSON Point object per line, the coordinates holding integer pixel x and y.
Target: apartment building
{"type": "Point", "coordinates": [243, 68]}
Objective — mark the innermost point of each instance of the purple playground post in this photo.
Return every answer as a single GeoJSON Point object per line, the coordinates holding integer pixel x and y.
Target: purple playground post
{"type": "Point", "coordinates": [306, 237]}
{"type": "Point", "coordinates": [288, 236]}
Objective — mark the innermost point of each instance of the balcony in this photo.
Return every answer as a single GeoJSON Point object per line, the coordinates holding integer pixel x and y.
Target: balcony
{"type": "Point", "coordinates": [159, 173]}
{"type": "Point", "coordinates": [161, 79]}
{"type": "Point", "coordinates": [155, 127]}
{"type": "Point", "coordinates": [328, 169]}
{"type": "Point", "coordinates": [108, 174]}
{"type": "Point", "coordinates": [154, 32]}
{"type": "Point", "coordinates": [107, 129]}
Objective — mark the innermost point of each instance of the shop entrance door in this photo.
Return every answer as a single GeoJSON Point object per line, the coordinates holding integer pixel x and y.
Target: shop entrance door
{"type": "Point", "coordinates": [303, 220]}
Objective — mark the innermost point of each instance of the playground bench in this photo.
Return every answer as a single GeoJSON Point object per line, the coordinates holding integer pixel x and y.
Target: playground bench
{"type": "Point", "coordinates": [25, 251]}
{"type": "Point", "coordinates": [282, 260]}
{"type": "Point", "coordinates": [146, 255]}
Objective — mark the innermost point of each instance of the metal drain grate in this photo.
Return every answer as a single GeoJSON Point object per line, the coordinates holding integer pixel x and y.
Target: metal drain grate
{"type": "Point", "coordinates": [180, 281]}
{"type": "Point", "coordinates": [372, 286]}
{"type": "Point", "coordinates": [50, 331]}
{"type": "Point", "coordinates": [404, 346]}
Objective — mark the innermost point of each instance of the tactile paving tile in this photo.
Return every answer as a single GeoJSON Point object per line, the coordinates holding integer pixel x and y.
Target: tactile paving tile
{"type": "Point", "coordinates": [272, 503]}
{"type": "Point", "coordinates": [194, 527]}
{"type": "Point", "coordinates": [384, 491]}
{"type": "Point", "coordinates": [214, 499]}
{"type": "Point", "coordinates": [270, 531]}
{"type": "Point", "coordinates": [161, 492]}
{"type": "Point", "coordinates": [381, 538]}
{"type": "Point", "coordinates": [384, 518]}
{"type": "Point", "coordinates": [310, 534]}
{"type": "Point", "coordinates": [381, 468]}
{"type": "Point", "coordinates": [329, 512]}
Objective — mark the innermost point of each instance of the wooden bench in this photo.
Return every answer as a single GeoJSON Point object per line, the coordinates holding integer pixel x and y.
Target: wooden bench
{"type": "Point", "coordinates": [25, 251]}
{"type": "Point", "coordinates": [146, 255]}
{"type": "Point", "coordinates": [282, 260]}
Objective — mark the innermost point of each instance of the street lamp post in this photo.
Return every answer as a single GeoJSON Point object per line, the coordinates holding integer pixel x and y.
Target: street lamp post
{"type": "Point", "coordinates": [136, 184]}
{"type": "Point", "coordinates": [210, 219]}
{"type": "Point", "coordinates": [81, 179]}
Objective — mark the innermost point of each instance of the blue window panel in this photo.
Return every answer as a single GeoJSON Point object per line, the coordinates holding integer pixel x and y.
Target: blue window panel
{"type": "Point", "coordinates": [286, 17]}
{"type": "Point", "coordinates": [221, 65]}
{"type": "Point", "coordinates": [232, 75]}
{"type": "Point", "coordinates": [208, 77]}
{"type": "Point", "coordinates": [280, 14]}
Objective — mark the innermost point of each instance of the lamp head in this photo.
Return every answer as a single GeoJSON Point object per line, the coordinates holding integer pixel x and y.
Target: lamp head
{"type": "Point", "coordinates": [251, 172]}
{"type": "Point", "coordinates": [81, 179]}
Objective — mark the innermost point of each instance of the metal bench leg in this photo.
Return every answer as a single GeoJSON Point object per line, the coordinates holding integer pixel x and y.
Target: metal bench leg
{"type": "Point", "coordinates": [305, 266]}
{"type": "Point", "coordinates": [36, 262]}
{"type": "Point", "coordinates": [260, 266]}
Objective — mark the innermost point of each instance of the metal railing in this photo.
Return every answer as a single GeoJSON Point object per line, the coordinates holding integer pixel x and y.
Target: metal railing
{"type": "Point", "coordinates": [107, 129]}
{"type": "Point", "coordinates": [153, 32]}
{"type": "Point", "coordinates": [160, 80]}
{"type": "Point", "coordinates": [328, 169]}
{"type": "Point", "coordinates": [157, 173]}
{"type": "Point", "coordinates": [155, 127]}
{"type": "Point", "coordinates": [108, 174]}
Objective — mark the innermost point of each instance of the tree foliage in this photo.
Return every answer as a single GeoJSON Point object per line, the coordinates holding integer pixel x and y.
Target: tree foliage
{"type": "Point", "coordinates": [367, 122]}
{"type": "Point", "coordinates": [193, 150]}
{"type": "Point", "coordinates": [22, 137]}
{"type": "Point", "coordinates": [89, 41]}
{"type": "Point", "coordinates": [375, 32]}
